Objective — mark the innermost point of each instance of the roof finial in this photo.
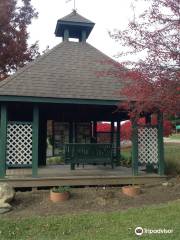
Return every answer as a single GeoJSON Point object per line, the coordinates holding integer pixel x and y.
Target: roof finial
{"type": "Point", "coordinates": [74, 4]}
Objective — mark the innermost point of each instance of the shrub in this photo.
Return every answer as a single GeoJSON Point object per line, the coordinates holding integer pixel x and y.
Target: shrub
{"type": "Point", "coordinates": [61, 189]}
{"type": "Point", "coordinates": [55, 160]}
{"type": "Point", "coordinates": [172, 167]}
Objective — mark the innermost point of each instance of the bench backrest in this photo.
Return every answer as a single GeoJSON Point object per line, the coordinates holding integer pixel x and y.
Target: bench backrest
{"type": "Point", "coordinates": [88, 151]}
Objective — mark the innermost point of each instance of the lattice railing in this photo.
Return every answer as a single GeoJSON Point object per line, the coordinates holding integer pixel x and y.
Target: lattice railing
{"type": "Point", "coordinates": [19, 144]}
{"type": "Point", "coordinates": [148, 145]}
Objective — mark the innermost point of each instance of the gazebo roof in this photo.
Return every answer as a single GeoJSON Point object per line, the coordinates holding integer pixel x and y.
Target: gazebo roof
{"type": "Point", "coordinates": [68, 71]}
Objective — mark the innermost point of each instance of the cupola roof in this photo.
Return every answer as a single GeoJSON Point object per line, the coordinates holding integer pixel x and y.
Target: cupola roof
{"type": "Point", "coordinates": [75, 24]}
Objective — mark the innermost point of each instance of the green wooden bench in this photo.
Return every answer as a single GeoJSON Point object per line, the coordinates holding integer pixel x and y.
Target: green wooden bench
{"type": "Point", "coordinates": [92, 153]}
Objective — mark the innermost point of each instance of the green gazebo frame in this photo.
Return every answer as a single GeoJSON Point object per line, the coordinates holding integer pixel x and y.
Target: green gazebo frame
{"type": "Point", "coordinates": [62, 85]}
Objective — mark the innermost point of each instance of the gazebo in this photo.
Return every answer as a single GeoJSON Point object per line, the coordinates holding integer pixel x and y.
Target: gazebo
{"type": "Point", "coordinates": [63, 85]}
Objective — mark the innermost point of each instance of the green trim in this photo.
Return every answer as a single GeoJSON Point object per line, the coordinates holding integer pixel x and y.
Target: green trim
{"type": "Point", "coordinates": [160, 145]}
{"type": "Point", "coordinates": [79, 24]}
{"type": "Point", "coordinates": [9, 166]}
{"type": "Point", "coordinates": [20, 122]}
{"type": "Point", "coordinates": [147, 126]}
{"type": "Point", "coordinates": [101, 132]}
{"type": "Point", "coordinates": [58, 100]}
{"type": "Point", "coordinates": [118, 142]}
{"type": "Point", "coordinates": [35, 141]}
{"type": "Point", "coordinates": [3, 140]}
{"type": "Point", "coordinates": [134, 148]}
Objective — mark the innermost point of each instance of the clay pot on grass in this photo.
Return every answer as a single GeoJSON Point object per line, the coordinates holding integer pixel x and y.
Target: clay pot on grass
{"type": "Point", "coordinates": [59, 194]}
{"type": "Point", "coordinates": [131, 191]}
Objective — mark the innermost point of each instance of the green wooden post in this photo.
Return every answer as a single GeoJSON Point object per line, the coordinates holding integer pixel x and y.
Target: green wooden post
{"type": "Point", "coordinates": [45, 142]}
{"type": "Point", "coordinates": [70, 132]}
{"type": "Point", "coordinates": [118, 142]}
{"type": "Point", "coordinates": [42, 142]}
{"type": "Point", "coordinates": [91, 131]}
{"type": "Point", "coordinates": [53, 140]}
{"type": "Point", "coordinates": [112, 142]}
{"type": "Point", "coordinates": [3, 142]}
{"type": "Point", "coordinates": [134, 148]}
{"type": "Point", "coordinates": [35, 141]}
{"type": "Point", "coordinates": [160, 145]}
{"type": "Point", "coordinates": [74, 132]}
{"type": "Point", "coordinates": [112, 132]}
{"type": "Point", "coordinates": [149, 166]}
{"type": "Point", "coordinates": [95, 131]}
{"type": "Point", "coordinates": [83, 36]}
{"type": "Point", "coordinates": [66, 35]}
{"type": "Point", "coordinates": [148, 119]}
{"type": "Point", "coordinates": [71, 140]}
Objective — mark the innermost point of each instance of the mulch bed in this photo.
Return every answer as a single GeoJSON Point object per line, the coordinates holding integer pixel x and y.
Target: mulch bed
{"type": "Point", "coordinates": [90, 199]}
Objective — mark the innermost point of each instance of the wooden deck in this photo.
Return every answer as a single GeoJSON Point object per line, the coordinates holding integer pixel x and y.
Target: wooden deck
{"type": "Point", "coordinates": [90, 175]}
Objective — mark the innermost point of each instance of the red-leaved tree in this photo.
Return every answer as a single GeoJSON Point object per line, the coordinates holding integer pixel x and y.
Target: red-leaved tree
{"type": "Point", "coordinates": [126, 129]}
{"type": "Point", "coordinates": [152, 84]}
{"type": "Point", "coordinates": [15, 16]}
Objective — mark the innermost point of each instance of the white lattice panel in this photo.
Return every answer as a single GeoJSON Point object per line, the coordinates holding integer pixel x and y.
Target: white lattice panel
{"type": "Point", "coordinates": [19, 143]}
{"type": "Point", "coordinates": [147, 145]}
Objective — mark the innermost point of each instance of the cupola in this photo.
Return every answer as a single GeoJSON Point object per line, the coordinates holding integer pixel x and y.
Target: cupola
{"type": "Point", "coordinates": [74, 26]}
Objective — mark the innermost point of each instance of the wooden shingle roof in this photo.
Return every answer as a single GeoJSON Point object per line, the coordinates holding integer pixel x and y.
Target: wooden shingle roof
{"type": "Point", "coordinates": [69, 70]}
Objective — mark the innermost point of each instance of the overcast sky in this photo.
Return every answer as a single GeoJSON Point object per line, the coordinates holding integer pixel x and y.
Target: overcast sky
{"type": "Point", "coordinates": [107, 14]}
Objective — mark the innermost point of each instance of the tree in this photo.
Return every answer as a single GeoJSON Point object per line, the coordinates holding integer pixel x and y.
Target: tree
{"type": "Point", "coordinates": [126, 128]}
{"type": "Point", "coordinates": [15, 16]}
{"type": "Point", "coordinates": [103, 127]}
{"type": "Point", "coordinates": [153, 83]}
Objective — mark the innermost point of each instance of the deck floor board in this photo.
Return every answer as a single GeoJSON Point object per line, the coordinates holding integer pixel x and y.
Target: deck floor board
{"type": "Point", "coordinates": [65, 171]}
{"type": "Point", "coordinates": [90, 175]}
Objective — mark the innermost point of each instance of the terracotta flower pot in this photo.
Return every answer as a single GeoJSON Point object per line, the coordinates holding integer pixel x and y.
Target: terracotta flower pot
{"type": "Point", "coordinates": [59, 197]}
{"type": "Point", "coordinates": [131, 190]}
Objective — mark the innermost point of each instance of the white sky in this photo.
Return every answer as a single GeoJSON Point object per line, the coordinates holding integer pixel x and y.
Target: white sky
{"type": "Point", "coordinates": [107, 14]}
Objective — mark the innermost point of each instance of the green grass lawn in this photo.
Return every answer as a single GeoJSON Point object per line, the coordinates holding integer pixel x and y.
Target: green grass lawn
{"type": "Point", "coordinates": [175, 136]}
{"type": "Point", "coordinates": [171, 151]}
{"type": "Point", "coordinates": [96, 226]}
{"type": "Point", "coordinates": [172, 156]}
